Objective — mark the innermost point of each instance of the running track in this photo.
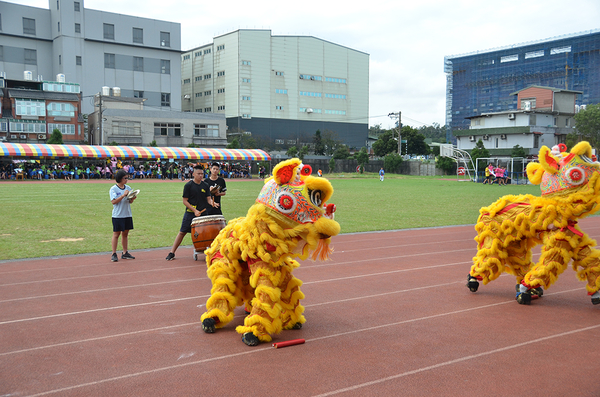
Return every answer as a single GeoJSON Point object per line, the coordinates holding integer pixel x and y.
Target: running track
{"type": "Point", "coordinates": [388, 315]}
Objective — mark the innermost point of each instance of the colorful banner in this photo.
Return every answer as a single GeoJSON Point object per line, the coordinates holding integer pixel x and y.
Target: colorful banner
{"type": "Point", "coordinates": [36, 150]}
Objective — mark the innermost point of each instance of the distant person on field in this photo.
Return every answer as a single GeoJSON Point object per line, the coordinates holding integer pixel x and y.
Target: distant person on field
{"type": "Point", "coordinates": [381, 174]}
{"type": "Point", "coordinates": [121, 214]}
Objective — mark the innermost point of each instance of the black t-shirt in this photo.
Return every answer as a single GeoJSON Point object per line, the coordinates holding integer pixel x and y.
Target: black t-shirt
{"type": "Point", "coordinates": [196, 195]}
{"type": "Point", "coordinates": [221, 182]}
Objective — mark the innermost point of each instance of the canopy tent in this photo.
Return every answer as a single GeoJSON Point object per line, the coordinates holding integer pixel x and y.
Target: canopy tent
{"type": "Point", "coordinates": [129, 152]}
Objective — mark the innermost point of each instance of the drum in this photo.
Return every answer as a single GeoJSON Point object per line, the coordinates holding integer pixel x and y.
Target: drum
{"type": "Point", "coordinates": [205, 229]}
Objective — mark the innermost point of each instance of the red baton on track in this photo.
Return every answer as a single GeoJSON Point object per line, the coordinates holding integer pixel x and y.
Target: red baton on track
{"type": "Point", "coordinates": [288, 343]}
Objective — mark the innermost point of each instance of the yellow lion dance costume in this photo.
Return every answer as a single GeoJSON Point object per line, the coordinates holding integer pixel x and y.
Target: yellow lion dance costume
{"type": "Point", "coordinates": [251, 260]}
{"type": "Point", "coordinates": [510, 227]}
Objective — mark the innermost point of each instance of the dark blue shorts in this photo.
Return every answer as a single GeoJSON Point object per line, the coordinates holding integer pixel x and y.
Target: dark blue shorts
{"type": "Point", "coordinates": [122, 224]}
{"type": "Point", "coordinates": [186, 223]}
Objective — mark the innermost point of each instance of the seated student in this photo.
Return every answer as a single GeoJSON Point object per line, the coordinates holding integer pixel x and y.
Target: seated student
{"type": "Point", "coordinates": [506, 177]}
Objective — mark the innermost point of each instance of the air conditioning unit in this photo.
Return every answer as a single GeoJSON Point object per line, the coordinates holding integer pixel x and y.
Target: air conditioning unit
{"type": "Point", "coordinates": [23, 136]}
{"type": "Point", "coordinates": [41, 136]}
{"type": "Point", "coordinates": [186, 96]}
{"type": "Point", "coordinates": [486, 137]}
{"type": "Point", "coordinates": [503, 136]}
{"type": "Point", "coordinates": [511, 116]}
{"type": "Point", "coordinates": [13, 136]}
{"type": "Point", "coordinates": [472, 138]}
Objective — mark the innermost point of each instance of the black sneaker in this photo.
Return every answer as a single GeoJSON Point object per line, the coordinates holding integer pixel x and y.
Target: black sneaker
{"type": "Point", "coordinates": [127, 255]}
{"type": "Point", "coordinates": [171, 256]}
{"type": "Point", "coordinates": [114, 258]}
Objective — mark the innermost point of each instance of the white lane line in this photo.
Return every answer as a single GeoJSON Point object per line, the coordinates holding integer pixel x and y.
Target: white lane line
{"type": "Point", "coordinates": [102, 290]}
{"type": "Point", "coordinates": [259, 350]}
{"type": "Point", "coordinates": [458, 360]}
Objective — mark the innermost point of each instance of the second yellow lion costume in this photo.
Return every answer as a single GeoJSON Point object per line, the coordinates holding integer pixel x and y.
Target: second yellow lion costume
{"type": "Point", "coordinates": [252, 259]}
{"type": "Point", "coordinates": [509, 228]}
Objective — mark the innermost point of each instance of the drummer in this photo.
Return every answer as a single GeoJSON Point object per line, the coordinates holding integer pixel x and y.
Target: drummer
{"type": "Point", "coordinates": [197, 202]}
{"type": "Point", "coordinates": [217, 186]}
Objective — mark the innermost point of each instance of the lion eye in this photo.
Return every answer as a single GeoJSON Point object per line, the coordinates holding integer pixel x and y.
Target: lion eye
{"type": "Point", "coordinates": [315, 197]}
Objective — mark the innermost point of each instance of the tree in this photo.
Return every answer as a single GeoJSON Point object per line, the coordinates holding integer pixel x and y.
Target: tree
{"type": "Point", "coordinates": [330, 142]}
{"type": "Point", "coordinates": [479, 152]}
{"type": "Point", "coordinates": [587, 124]}
{"type": "Point", "coordinates": [153, 143]}
{"type": "Point", "coordinates": [56, 137]}
{"type": "Point", "coordinates": [518, 151]}
{"type": "Point", "coordinates": [446, 164]}
{"type": "Point", "coordinates": [362, 158]}
{"type": "Point", "coordinates": [385, 144]}
{"type": "Point", "coordinates": [435, 132]}
{"type": "Point", "coordinates": [392, 162]}
{"type": "Point", "coordinates": [234, 144]}
{"type": "Point", "coordinates": [341, 152]}
{"type": "Point", "coordinates": [292, 152]}
{"type": "Point", "coordinates": [331, 165]}
{"type": "Point", "coordinates": [415, 141]}
{"type": "Point", "coordinates": [572, 139]}
{"type": "Point", "coordinates": [319, 148]}
{"type": "Point", "coordinates": [303, 152]}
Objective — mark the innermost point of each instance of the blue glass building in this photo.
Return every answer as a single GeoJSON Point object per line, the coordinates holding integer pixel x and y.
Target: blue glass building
{"type": "Point", "coordinates": [482, 82]}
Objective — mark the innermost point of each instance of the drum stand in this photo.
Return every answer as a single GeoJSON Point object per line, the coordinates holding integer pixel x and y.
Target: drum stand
{"type": "Point", "coordinates": [196, 253]}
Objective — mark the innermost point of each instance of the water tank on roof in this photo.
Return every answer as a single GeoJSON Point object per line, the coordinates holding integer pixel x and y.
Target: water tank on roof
{"type": "Point", "coordinates": [60, 78]}
{"type": "Point", "coordinates": [28, 75]}
{"type": "Point", "coordinates": [106, 91]}
{"type": "Point", "coordinates": [116, 91]}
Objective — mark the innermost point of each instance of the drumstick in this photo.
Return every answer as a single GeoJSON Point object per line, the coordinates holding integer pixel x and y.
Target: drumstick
{"type": "Point", "coordinates": [288, 343]}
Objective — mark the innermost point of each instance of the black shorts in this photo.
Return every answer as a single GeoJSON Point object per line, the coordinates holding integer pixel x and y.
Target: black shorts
{"type": "Point", "coordinates": [186, 223]}
{"type": "Point", "coordinates": [122, 224]}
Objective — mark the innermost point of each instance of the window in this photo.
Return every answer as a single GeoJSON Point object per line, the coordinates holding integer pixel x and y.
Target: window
{"type": "Point", "coordinates": [138, 64]}
{"type": "Point", "coordinates": [77, 28]}
{"type": "Point", "coordinates": [509, 58]}
{"type": "Point", "coordinates": [309, 77]}
{"type": "Point", "coordinates": [197, 54]}
{"type": "Point", "coordinates": [198, 110]}
{"type": "Point", "coordinates": [335, 96]}
{"type": "Point", "coordinates": [58, 109]}
{"type": "Point", "coordinates": [279, 91]}
{"type": "Point", "coordinates": [59, 26]}
{"type": "Point", "coordinates": [138, 94]}
{"type": "Point", "coordinates": [77, 60]}
{"type": "Point", "coordinates": [167, 129]}
{"type": "Point", "coordinates": [207, 51]}
{"type": "Point", "coordinates": [206, 93]}
{"type": "Point", "coordinates": [208, 130]}
{"type": "Point", "coordinates": [30, 107]}
{"type": "Point", "coordinates": [246, 63]}
{"type": "Point", "coordinates": [340, 112]}
{"type": "Point", "coordinates": [77, 6]}
{"type": "Point", "coordinates": [246, 116]}
{"type": "Point", "coordinates": [109, 31]}
{"type": "Point", "coordinates": [313, 94]}
{"type": "Point", "coordinates": [221, 90]}
{"type": "Point", "coordinates": [278, 73]}
{"type": "Point", "coordinates": [33, 127]}
{"type": "Point", "coordinates": [29, 26]}
{"type": "Point", "coordinates": [186, 81]}
{"type": "Point", "coordinates": [138, 35]}
{"type": "Point", "coordinates": [65, 129]}
{"type": "Point", "coordinates": [278, 107]}
{"type": "Point", "coordinates": [165, 39]}
{"type": "Point", "coordinates": [109, 61]}
{"type": "Point", "coordinates": [128, 128]}
{"type": "Point", "coordinates": [279, 141]}
{"type": "Point", "coordinates": [536, 141]}
{"type": "Point", "coordinates": [198, 94]}
{"type": "Point", "coordinates": [187, 57]}
{"type": "Point", "coordinates": [221, 73]}
{"type": "Point", "coordinates": [221, 47]}
{"type": "Point", "coordinates": [198, 78]}
{"type": "Point", "coordinates": [221, 107]}
{"type": "Point", "coordinates": [30, 57]}
{"type": "Point", "coordinates": [245, 98]}
{"type": "Point", "coordinates": [60, 59]}
{"type": "Point", "coordinates": [165, 66]}
{"type": "Point", "coordinates": [335, 80]}
{"type": "Point", "coordinates": [207, 76]}
{"type": "Point", "coordinates": [206, 110]}
{"type": "Point", "coordinates": [245, 80]}
{"type": "Point", "coordinates": [165, 99]}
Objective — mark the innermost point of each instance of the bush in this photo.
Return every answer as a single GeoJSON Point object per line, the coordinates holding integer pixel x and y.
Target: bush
{"type": "Point", "coordinates": [392, 162]}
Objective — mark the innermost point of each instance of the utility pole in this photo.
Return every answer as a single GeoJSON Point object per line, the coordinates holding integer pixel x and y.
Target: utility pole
{"type": "Point", "coordinates": [399, 116]}
{"type": "Point", "coordinates": [100, 119]}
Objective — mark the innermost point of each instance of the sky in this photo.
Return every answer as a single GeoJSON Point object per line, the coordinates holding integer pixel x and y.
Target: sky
{"type": "Point", "coordinates": [406, 40]}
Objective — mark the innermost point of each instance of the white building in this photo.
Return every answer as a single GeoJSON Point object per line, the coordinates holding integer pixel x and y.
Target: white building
{"type": "Point", "coordinates": [283, 88]}
{"type": "Point", "coordinates": [544, 116]}
{"type": "Point", "coordinates": [93, 48]}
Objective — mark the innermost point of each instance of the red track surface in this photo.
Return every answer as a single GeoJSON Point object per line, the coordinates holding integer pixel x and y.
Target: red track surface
{"type": "Point", "coordinates": [389, 315]}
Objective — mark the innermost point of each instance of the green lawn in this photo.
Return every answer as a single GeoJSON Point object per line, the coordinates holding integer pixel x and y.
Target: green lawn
{"type": "Point", "coordinates": [36, 216]}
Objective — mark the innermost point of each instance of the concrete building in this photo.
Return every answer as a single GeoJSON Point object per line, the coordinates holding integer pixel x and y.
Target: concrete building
{"type": "Point", "coordinates": [482, 82]}
{"type": "Point", "coordinates": [93, 48]}
{"type": "Point", "coordinates": [282, 88]}
{"type": "Point", "coordinates": [31, 110]}
{"type": "Point", "coordinates": [126, 122]}
{"type": "Point", "coordinates": [544, 116]}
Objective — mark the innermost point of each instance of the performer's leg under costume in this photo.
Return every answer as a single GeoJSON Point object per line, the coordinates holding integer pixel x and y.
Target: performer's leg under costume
{"type": "Point", "coordinates": [226, 293]}
{"type": "Point", "coordinates": [290, 300]}
{"type": "Point", "coordinates": [586, 263]}
{"type": "Point", "coordinates": [556, 254]}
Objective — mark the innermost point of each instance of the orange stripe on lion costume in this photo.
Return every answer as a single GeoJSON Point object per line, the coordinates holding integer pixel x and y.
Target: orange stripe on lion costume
{"type": "Point", "coordinates": [508, 229]}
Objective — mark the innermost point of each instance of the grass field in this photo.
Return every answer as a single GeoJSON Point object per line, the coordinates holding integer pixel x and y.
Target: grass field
{"type": "Point", "coordinates": [60, 218]}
